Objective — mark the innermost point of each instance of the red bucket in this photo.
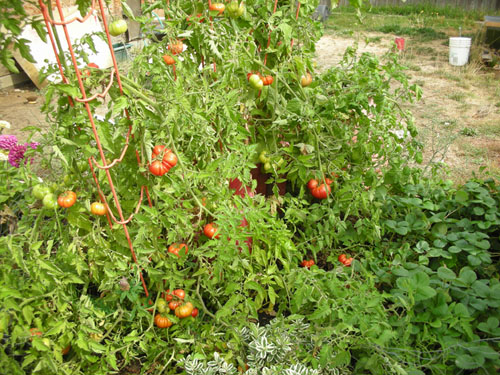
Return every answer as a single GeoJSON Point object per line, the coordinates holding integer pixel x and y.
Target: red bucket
{"type": "Point", "coordinates": [400, 43]}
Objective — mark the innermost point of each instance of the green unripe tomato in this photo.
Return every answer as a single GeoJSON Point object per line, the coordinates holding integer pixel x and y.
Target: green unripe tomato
{"type": "Point", "coordinates": [50, 201]}
{"type": "Point", "coordinates": [40, 191]}
{"type": "Point", "coordinates": [256, 82]}
{"type": "Point", "coordinates": [161, 306]}
{"type": "Point", "coordinates": [235, 10]}
{"type": "Point", "coordinates": [267, 167]}
{"type": "Point", "coordinates": [264, 158]}
{"type": "Point", "coordinates": [117, 27]}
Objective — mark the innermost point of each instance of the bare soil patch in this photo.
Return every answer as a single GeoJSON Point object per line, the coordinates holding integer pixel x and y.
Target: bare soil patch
{"type": "Point", "coordinates": [459, 113]}
{"type": "Point", "coordinates": [17, 107]}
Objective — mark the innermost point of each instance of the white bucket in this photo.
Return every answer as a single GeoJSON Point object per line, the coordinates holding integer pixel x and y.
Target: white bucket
{"type": "Point", "coordinates": [459, 51]}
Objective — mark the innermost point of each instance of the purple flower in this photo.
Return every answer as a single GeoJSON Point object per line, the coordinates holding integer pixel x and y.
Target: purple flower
{"type": "Point", "coordinates": [16, 153]}
{"type": "Point", "coordinates": [7, 141]}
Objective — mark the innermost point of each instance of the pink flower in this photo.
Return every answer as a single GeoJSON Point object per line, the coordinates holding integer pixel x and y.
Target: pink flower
{"type": "Point", "coordinates": [8, 141]}
{"type": "Point", "coordinates": [16, 153]}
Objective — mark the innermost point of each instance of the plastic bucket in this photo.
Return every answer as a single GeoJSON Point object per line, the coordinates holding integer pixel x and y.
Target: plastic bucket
{"type": "Point", "coordinates": [400, 43]}
{"type": "Point", "coordinates": [459, 51]}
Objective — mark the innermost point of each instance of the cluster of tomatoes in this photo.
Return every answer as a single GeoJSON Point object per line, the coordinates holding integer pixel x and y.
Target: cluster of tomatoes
{"type": "Point", "coordinates": [307, 263]}
{"type": "Point", "coordinates": [234, 10]}
{"type": "Point", "coordinates": [49, 200]}
{"type": "Point", "coordinates": [257, 80]}
{"type": "Point", "coordinates": [175, 48]}
{"type": "Point", "coordinates": [345, 260]}
{"type": "Point", "coordinates": [163, 160]}
{"type": "Point", "coordinates": [268, 164]}
{"type": "Point", "coordinates": [320, 191]}
{"type": "Point", "coordinates": [175, 302]}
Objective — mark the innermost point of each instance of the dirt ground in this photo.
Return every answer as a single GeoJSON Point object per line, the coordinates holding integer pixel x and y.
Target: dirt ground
{"type": "Point", "coordinates": [458, 116]}
{"type": "Point", "coordinates": [18, 107]}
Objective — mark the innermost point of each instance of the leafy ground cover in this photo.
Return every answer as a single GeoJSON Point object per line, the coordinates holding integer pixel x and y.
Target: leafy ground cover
{"type": "Point", "coordinates": [401, 272]}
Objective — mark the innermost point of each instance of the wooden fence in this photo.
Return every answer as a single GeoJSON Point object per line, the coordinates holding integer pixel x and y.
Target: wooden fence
{"type": "Point", "coordinates": [466, 4]}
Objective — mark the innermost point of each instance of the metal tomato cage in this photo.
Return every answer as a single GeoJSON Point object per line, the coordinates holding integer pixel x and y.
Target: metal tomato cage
{"type": "Point", "coordinates": [85, 100]}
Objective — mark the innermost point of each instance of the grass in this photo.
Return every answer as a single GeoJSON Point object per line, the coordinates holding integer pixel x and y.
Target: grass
{"type": "Point", "coordinates": [425, 8]}
{"type": "Point", "coordinates": [425, 22]}
{"type": "Point", "coordinates": [421, 33]}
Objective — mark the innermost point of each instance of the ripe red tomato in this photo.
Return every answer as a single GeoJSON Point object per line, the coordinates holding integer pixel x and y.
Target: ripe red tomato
{"type": "Point", "coordinates": [175, 248]}
{"type": "Point", "coordinates": [174, 304]}
{"type": "Point", "coordinates": [157, 150]}
{"type": "Point", "coordinates": [35, 332]}
{"type": "Point", "coordinates": [348, 262]}
{"type": "Point", "coordinates": [162, 321]}
{"type": "Point", "coordinates": [267, 80]}
{"type": "Point", "coordinates": [168, 296]}
{"type": "Point", "coordinates": [209, 230]}
{"type": "Point", "coordinates": [97, 208]}
{"type": "Point", "coordinates": [342, 258]}
{"type": "Point", "coordinates": [307, 263]}
{"type": "Point", "coordinates": [180, 293]}
{"type": "Point", "coordinates": [169, 60]}
{"type": "Point", "coordinates": [321, 191]}
{"type": "Point", "coordinates": [312, 184]}
{"type": "Point", "coordinates": [87, 71]}
{"type": "Point", "coordinates": [67, 199]}
{"type": "Point", "coordinates": [158, 168]}
{"type": "Point", "coordinates": [184, 311]}
{"type": "Point", "coordinates": [328, 181]}
{"type": "Point", "coordinates": [176, 47]}
{"type": "Point", "coordinates": [219, 7]}
{"type": "Point", "coordinates": [194, 313]}
{"type": "Point", "coordinates": [66, 350]}
{"type": "Point", "coordinates": [170, 159]}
